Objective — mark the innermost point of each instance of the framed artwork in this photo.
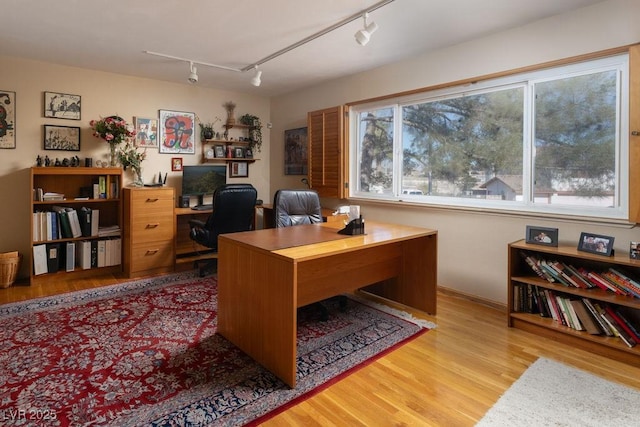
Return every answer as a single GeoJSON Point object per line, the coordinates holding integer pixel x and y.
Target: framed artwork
{"type": "Point", "coordinates": [176, 164]}
{"type": "Point", "coordinates": [634, 250]}
{"type": "Point", "coordinates": [295, 152]}
{"type": "Point", "coordinates": [542, 235]}
{"type": "Point", "coordinates": [177, 133]}
{"type": "Point", "coordinates": [65, 138]}
{"type": "Point", "coordinates": [7, 119]}
{"type": "Point", "coordinates": [238, 153]}
{"type": "Point", "coordinates": [146, 131]}
{"type": "Point", "coordinates": [596, 244]}
{"type": "Point", "coordinates": [238, 170]}
{"type": "Point", "coordinates": [62, 106]}
{"type": "Point", "coordinates": [248, 153]}
{"type": "Point", "coordinates": [219, 151]}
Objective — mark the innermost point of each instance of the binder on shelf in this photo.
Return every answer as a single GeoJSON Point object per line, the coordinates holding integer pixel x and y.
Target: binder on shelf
{"type": "Point", "coordinates": [39, 259]}
{"type": "Point", "coordinates": [102, 253]}
{"type": "Point", "coordinates": [95, 221]}
{"type": "Point", "coordinates": [94, 254]}
{"type": "Point", "coordinates": [71, 256]}
{"type": "Point", "coordinates": [76, 231]}
{"type": "Point", "coordinates": [84, 217]}
{"type": "Point", "coordinates": [53, 257]}
{"type": "Point", "coordinates": [84, 254]}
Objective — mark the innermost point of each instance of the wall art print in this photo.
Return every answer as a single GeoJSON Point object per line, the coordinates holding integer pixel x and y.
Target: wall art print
{"type": "Point", "coordinates": [146, 131]}
{"type": "Point", "coordinates": [7, 119]}
{"type": "Point", "coordinates": [177, 134]}
{"type": "Point", "coordinates": [62, 106]}
{"type": "Point", "coordinates": [65, 138]}
{"type": "Point", "coordinates": [295, 152]}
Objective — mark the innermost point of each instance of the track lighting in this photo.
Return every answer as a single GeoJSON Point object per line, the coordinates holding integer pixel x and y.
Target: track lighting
{"type": "Point", "coordinates": [256, 80]}
{"type": "Point", "coordinates": [363, 36]}
{"type": "Point", "coordinates": [193, 76]}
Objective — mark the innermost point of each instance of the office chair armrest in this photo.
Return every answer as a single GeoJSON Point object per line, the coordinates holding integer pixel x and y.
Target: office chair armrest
{"type": "Point", "coordinates": [196, 223]}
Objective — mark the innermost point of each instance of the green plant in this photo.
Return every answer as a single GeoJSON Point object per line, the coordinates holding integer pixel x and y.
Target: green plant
{"type": "Point", "coordinates": [207, 128]}
{"type": "Point", "coordinates": [256, 131]}
{"type": "Point", "coordinates": [129, 156]}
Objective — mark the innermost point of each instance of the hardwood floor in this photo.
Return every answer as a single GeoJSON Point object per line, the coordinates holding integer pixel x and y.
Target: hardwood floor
{"type": "Point", "coordinates": [449, 376]}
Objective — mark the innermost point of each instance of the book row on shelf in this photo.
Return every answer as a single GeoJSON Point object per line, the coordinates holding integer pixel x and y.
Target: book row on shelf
{"type": "Point", "coordinates": [610, 279]}
{"type": "Point", "coordinates": [85, 254]}
{"type": "Point", "coordinates": [65, 223]}
{"type": "Point", "coordinates": [579, 313]}
{"type": "Point", "coordinates": [102, 188]}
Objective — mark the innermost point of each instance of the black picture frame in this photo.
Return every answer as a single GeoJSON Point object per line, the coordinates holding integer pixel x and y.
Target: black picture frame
{"type": "Point", "coordinates": [634, 250]}
{"type": "Point", "coordinates": [596, 244]}
{"type": "Point", "coordinates": [219, 152]}
{"type": "Point", "coordinates": [248, 153]}
{"type": "Point", "coordinates": [62, 106]}
{"type": "Point", "coordinates": [238, 153]}
{"type": "Point", "coordinates": [545, 236]}
{"type": "Point", "coordinates": [62, 138]}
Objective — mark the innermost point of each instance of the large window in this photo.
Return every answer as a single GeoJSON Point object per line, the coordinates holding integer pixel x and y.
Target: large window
{"type": "Point", "coordinates": [548, 141]}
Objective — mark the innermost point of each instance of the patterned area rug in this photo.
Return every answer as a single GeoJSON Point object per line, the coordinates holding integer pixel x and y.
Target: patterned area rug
{"type": "Point", "coordinates": [146, 353]}
{"type": "Point", "coordinates": [550, 393]}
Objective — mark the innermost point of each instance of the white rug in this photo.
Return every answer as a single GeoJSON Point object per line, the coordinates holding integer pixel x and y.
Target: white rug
{"type": "Point", "coordinates": [552, 394]}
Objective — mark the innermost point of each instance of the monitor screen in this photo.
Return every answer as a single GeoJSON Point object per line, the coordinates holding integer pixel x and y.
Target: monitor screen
{"type": "Point", "coordinates": [202, 180]}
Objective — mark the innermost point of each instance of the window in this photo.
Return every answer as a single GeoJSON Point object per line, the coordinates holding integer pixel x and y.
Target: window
{"type": "Point", "coordinates": [547, 141]}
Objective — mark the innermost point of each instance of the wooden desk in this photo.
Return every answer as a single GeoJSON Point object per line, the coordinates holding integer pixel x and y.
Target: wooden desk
{"type": "Point", "coordinates": [187, 250]}
{"type": "Point", "coordinates": [264, 275]}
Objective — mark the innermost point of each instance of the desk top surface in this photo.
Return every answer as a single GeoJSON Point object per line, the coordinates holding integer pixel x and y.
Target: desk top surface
{"type": "Point", "coordinates": [309, 240]}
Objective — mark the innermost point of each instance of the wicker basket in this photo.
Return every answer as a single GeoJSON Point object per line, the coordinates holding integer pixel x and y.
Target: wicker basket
{"type": "Point", "coordinates": [9, 266]}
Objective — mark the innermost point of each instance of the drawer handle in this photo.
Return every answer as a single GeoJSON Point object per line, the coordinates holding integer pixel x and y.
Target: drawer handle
{"type": "Point", "coordinates": [157, 224]}
{"type": "Point", "coordinates": [152, 200]}
{"type": "Point", "coordinates": [152, 251]}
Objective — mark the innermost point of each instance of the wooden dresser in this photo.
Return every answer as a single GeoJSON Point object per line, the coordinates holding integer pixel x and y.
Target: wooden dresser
{"type": "Point", "coordinates": [148, 231]}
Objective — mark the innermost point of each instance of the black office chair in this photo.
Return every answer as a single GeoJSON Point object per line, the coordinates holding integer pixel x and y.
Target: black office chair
{"type": "Point", "coordinates": [233, 211]}
{"type": "Point", "coordinates": [297, 207]}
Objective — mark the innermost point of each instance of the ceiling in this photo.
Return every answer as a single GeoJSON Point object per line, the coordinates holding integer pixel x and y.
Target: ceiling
{"type": "Point", "coordinates": [113, 35]}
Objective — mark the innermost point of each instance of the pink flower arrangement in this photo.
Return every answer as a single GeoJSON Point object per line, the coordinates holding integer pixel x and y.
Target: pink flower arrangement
{"type": "Point", "coordinates": [112, 129]}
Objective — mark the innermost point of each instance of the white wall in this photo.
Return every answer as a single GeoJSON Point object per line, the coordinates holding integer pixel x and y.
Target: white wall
{"type": "Point", "coordinates": [472, 244]}
{"type": "Point", "coordinates": [103, 94]}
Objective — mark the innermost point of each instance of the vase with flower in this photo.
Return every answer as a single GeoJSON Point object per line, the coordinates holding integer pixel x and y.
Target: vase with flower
{"type": "Point", "coordinates": [130, 157]}
{"type": "Point", "coordinates": [114, 130]}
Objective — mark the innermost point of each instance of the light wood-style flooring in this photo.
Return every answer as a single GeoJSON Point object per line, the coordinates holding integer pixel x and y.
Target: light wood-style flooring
{"type": "Point", "coordinates": [449, 376]}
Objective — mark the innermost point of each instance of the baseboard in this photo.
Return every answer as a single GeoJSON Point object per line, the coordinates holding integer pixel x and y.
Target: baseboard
{"type": "Point", "coordinates": [474, 298]}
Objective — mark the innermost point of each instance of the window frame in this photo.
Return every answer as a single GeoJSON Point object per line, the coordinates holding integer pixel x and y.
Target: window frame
{"type": "Point", "coordinates": [527, 78]}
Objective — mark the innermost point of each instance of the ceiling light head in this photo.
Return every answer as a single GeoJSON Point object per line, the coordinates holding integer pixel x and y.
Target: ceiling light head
{"type": "Point", "coordinates": [257, 78]}
{"type": "Point", "coordinates": [193, 76]}
{"type": "Point", "coordinates": [363, 36]}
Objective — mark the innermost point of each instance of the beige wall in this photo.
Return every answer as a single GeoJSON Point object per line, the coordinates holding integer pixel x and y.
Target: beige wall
{"type": "Point", "coordinates": [103, 94]}
{"type": "Point", "coordinates": [472, 244]}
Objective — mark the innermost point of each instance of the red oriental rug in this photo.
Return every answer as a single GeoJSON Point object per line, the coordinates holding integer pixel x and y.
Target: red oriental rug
{"type": "Point", "coordinates": [146, 352]}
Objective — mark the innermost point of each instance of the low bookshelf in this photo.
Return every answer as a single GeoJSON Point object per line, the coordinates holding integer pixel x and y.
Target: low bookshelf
{"type": "Point", "coordinates": [527, 290]}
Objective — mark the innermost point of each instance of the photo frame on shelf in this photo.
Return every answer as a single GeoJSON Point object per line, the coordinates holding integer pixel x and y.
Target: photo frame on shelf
{"type": "Point", "coordinates": [176, 164]}
{"type": "Point", "coordinates": [62, 106]}
{"type": "Point", "coordinates": [295, 152]}
{"type": "Point", "coordinates": [146, 131]}
{"type": "Point", "coordinates": [634, 250]}
{"type": "Point", "coordinates": [238, 153]}
{"type": "Point", "coordinates": [7, 119]}
{"type": "Point", "coordinates": [64, 138]}
{"type": "Point", "coordinates": [238, 170]}
{"type": "Point", "coordinates": [596, 244]}
{"type": "Point", "coordinates": [542, 235]}
{"type": "Point", "coordinates": [177, 132]}
{"type": "Point", "coordinates": [248, 153]}
{"type": "Point", "coordinates": [219, 152]}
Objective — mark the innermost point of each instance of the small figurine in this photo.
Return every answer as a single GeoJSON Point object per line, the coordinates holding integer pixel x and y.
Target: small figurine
{"type": "Point", "coordinates": [38, 161]}
{"type": "Point", "coordinates": [65, 162]}
{"type": "Point", "coordinates": [47, 161]}
{"type": "Point", "coordinates": [57, 163]}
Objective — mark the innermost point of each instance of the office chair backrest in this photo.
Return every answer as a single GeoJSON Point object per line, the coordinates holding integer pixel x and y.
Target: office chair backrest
{"type": "Point", "coordinates": [295, 207]}
{"type": "Point", "coordinates": [233, 210]}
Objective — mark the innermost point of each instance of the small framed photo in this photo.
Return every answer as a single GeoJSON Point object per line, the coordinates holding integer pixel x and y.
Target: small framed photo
{"type": "Point", "coordinates": [238, 170]}
{"type": "Point", "coordinates": [61, 106]}
{"type": "Point", "coordinates": [634, 250]}
{"type": "Point", "coordinates": [65, 138]}
{"type": "Point", "coordinates": [176, 164]}
{"type": "Point", "coordinates": [238, 153]}
{"type": "Point", "coordinates": [542, 235]}
{"type": "Point", "coordinates": [248, 153]}
{"type": "Point", "coordinates": [219, 151]}
{"type": "Point", "coordinates": [596, 243]}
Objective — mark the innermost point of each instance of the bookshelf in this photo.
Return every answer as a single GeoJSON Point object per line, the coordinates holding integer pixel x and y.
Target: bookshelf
{"type": "Point", "coordinates": [76, 184]}
{"type": "Point", "coordinates": [522, 275]}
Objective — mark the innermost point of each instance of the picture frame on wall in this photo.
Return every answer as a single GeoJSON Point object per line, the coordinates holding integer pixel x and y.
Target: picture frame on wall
{"type": "Point", "coordinates": [146, 131]}
{"type": "Point", "coordinates": [295, 152]}
{"type": "Point", "coordinates": [63, 138]}
{"type": "Point", "coordinates": [62, 106]}
{"type": "Point", "coordinates": [177, 132]}
{"type": "Point", "coordinates": [542, 235]}
{"type": "Point", "coordinates": [238, 170]}
{"type": "Point", "coordinates": [7, 119]}
{"type": "Point", "coordinates": [596, 244]}
{"type": "Point", "coordinates": [176, 164]}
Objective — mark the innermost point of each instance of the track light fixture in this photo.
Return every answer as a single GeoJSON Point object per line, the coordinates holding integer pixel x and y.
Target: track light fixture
{"type": "Point", "coordinates": [256, 80]}
{"type": "Point", "coordinates": [193, 76]}
{"type": "Point", "coordinates": [363, 36]}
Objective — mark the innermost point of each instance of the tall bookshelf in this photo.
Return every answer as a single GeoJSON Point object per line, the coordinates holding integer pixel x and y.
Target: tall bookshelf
{"type": "Point", "coordinates": [521, 274]}
{"type": "Point", "coordinates": [76, 184]}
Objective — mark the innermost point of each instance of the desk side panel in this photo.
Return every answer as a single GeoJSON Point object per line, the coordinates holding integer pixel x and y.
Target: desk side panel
{"type": "Point", "coordinates": [256, 306]}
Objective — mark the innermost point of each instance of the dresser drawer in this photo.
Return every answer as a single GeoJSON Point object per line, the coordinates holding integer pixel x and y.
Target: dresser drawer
{"type": "Point", "coordinates": [148, 228]}
{"type": "Point", "coordinates": [151, 256]}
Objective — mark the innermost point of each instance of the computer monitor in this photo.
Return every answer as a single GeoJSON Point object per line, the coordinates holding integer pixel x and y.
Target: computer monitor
{"type": "Point", "coordinates": [202, 180]}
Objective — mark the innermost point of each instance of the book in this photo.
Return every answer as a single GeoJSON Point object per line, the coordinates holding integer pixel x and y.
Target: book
{"type": "Point", "coordinates": [597, 317]}
{"type": "Point", "coordinates": [622, 323]}
{"type": "Point", "coordinates": [95, 221]}
{"type": "Point", "coordinates": [74, 221]}
{"type": "Point", "coordinates": [39, 259]}
{"type": "Point", "coordinates": [94, 254]}
{"type": "Point", "coordinates": [102, 253]}
{"type": "Point", "coordinates": [102, 187]}
{"type": "Point", "coordinates": [83, 254]}
{"type": "Point", "coordinates": [53, 257]}
{"type": "Point", "coordinates": [586, 319]}
{"type": "Point", "coordinates": [84, 217]}
{"type": "Point", "coordinates": [618, 330]}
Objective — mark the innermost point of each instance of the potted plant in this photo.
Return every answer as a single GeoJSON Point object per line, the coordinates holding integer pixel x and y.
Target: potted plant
{"type": "Point", "coordinates": [255, 140]}
{"type": "Point", "coordinates": [206, 129]}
